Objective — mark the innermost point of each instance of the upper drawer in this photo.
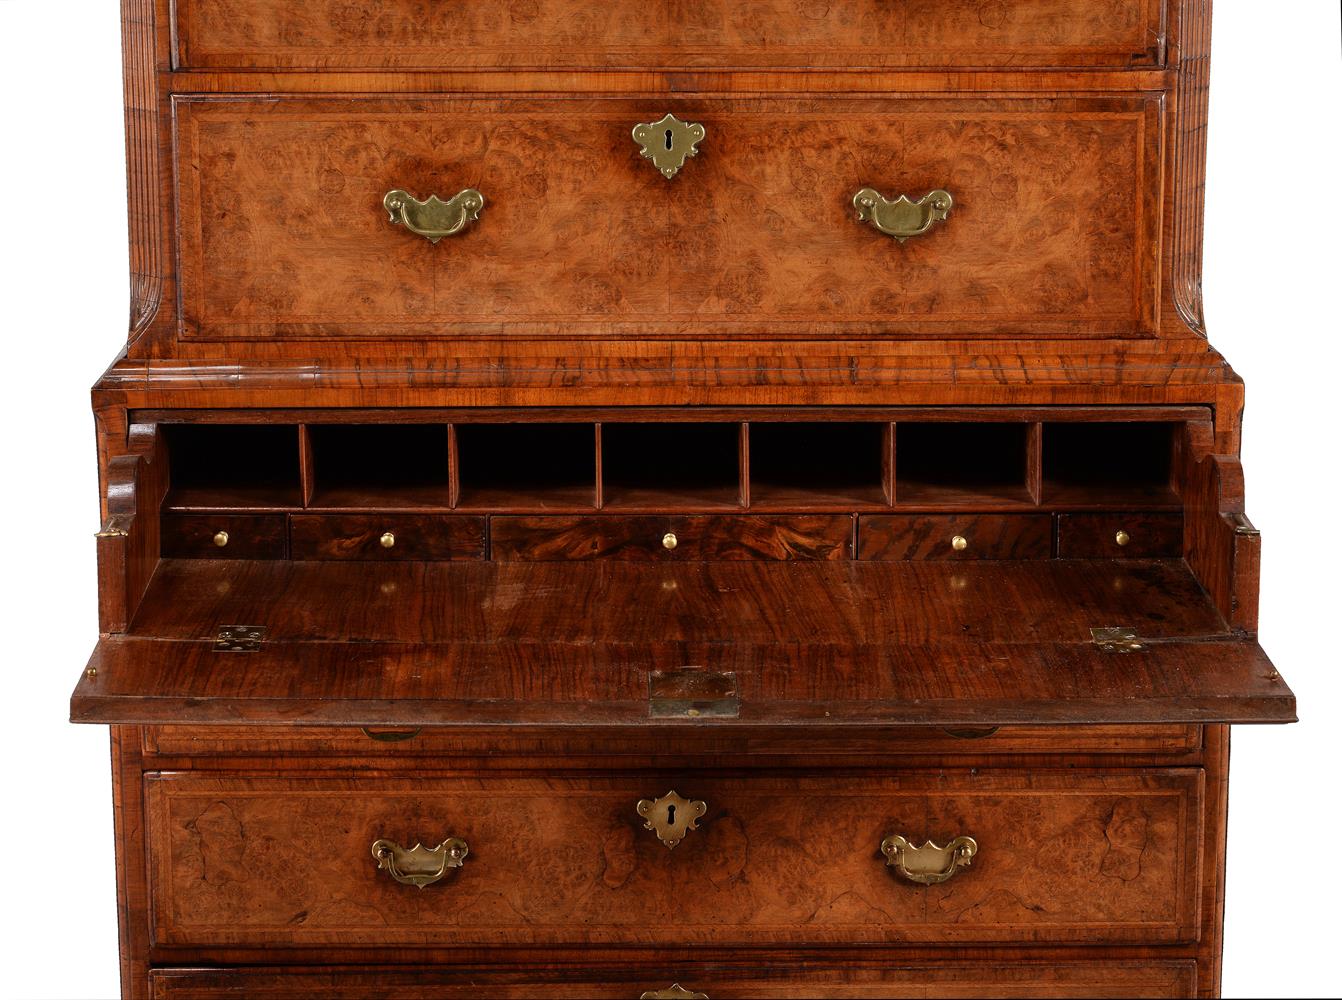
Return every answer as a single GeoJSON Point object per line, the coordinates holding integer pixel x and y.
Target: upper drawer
{"type": "Point", "coordinates": [1087, 857]}
{"type": "Point", "coordinates": [1054, 228]}
{"type": "Point", "coordinates": [596, 34]}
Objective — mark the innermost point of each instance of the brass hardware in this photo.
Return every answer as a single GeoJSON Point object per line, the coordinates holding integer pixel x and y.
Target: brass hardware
{"type": "Point", "coordinates": [692, 693]}
{"type": "Point", "coordinates": [673, 992]}
{"type": "Point", "coordinates": [116, 526]}
{"type": "Point", "coordinates": [1122, 538]}
{"type": "Point", "coordinates": [971, 734]}
{"type": "Point", "coordinates": [669, 143]}
{"type": "Point", "coordinates": [902, 218]}
{"type": "Point", "coordinates": [434, 218]}
{"type": "Point", "coordinates": [670, 541]}
{"type": "Point", "coordinates": [929, 864]}
{"type": "Point", "coordinates": [239, 638]}
{"type": "Point", "coordinates": [390, 735]}
{"type": "Point", "coordinates": [1243, 526]}
{"type": "Point", "coordinates": [959, 543]}
{"type": "Point", "coordinates": [420, 866]}
{"type": "Point", "coordinates": [91, 673]}
{"type": "Point", "coordinates": [1116, 640]}
{"type": "Point", "coordinates": [221, 538]}
{"type": "Point", "coordinates": [387, 540]}
{"type": "Point", "coordinates": [671, 817]}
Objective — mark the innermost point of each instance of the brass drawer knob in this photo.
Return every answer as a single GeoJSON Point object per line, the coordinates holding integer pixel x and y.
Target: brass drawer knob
{"type": "Point", "coordinates": [959, 543]}
{"type": "Point", "coordinates": [671, 816]}
{"type": "Point", "coordinates": [673, 992]}
{"type": "Point", "coordinates": [670, 541]}
{"type": "Point", "coordinates": [387, 540]}
{"type": "Point", "coordinates": [900, 217]}
{"type": "Point", "coordinates": [221, 538]}
{"type": "Point", "coordinates": [1122, 538]}
{"type": "Point", "coordinates": [929, 864]}
{"type": "Point", "coordinates": [419, 866]}
{"type": "Point", "coordinates": [434, 218]}
{"type": "Point", "coordinates": [668, 143]}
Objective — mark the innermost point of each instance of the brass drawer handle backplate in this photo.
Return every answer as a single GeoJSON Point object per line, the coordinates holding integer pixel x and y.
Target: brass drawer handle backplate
{"type": "Point", "coordinates": [929, 864]}
{"type": "Point", "coordinates": [419, 866]}
{"type": "Point", "coordinates": [673, 992]}
{"type": "Point", "coordinates": [900, 217]}
{"type": "Point", "coordinates": [434, 218]}
{"type": "Point", "coordinates": [669, 143]}
{"type": "Point", "coordinates": [671, 817]}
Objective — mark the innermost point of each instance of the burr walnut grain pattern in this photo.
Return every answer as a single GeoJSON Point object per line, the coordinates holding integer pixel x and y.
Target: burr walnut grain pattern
{"type": "Point", "coordinates": [1054, 231]}
{"type": "Point", "coordinates": [1094, 857]}
{"type": "Point", "coordinates": [559, 34]}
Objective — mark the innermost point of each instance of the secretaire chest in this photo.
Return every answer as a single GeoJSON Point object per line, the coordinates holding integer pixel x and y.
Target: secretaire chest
{"type": "Point", "coordinates": [671, 499]}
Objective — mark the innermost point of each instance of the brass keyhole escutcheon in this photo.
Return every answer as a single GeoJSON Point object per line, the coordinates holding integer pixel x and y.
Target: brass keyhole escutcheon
{"type": "Point", "coordinates": [671, 817]}
{"type": "Point", "coordinates": [669, 143]}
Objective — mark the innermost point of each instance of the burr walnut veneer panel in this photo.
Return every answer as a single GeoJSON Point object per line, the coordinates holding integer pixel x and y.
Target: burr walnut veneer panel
{"type": "Point", "coordinates": [1055, 230]}
{"type": "Point", "coordinates": [588, 34]}
{"type": "Point", "coordinates": [1092, 857]}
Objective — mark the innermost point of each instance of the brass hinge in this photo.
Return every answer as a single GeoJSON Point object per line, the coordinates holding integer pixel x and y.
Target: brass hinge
{"type": "Point", "coordinates": [1116, 640]}
{"type": "Point", "coordinates": [116, 526]}
{"type": "Point", "coordinates": [693, 694]}
{"type": "Point", "coordinates": [239, 638]}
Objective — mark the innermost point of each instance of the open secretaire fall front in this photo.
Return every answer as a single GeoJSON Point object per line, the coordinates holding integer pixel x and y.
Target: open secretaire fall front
{"type": "Point", "coordinates": [671, 500]}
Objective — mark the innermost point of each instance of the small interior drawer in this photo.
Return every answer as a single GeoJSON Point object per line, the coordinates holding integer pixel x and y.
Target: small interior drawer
{"type": "Point", "coordinates": [708, 537]}
{"type": "Point", "coordinates": [1124, 535]}
{"type": "Point", "coordinates": [955, 536]}
{"type": "Point", "coordinates": [387, 537]}
{"type": "Point", "coordinates": [222, 536]}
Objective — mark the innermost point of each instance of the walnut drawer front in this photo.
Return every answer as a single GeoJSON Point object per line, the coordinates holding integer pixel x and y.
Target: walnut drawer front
{"type": "Point", "coordinates": [1119, 536]}
{"type": "Point", "coordinates": [1054, 229]}
{"type": "Point", "coordinates": [222, 536]}
{"type": "Point", "coordinates": [588, 34]}
{"type": "Point", "coordinates": [766, 979]}
{"type": "Point", "coordinates": [386, 537]}
{"type": "Point", "coordinates": [728, 537]}
{"type": "Point", "coordinates": [538, 748]}
{"type": "Point", "coordinates": [954, 536]}
{"type": "Point", "coordinates": [1077, 856]}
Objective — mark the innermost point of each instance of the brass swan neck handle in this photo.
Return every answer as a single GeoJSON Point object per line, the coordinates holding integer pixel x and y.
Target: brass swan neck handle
{"type": "Point", "coordinates": [930, 864]}
{"type": "Point", "coordinates": [419, 866]}
{"type": "Point", "coordinates": [434, 218]}
{"type": "Point", "coordinates": [900, 217]}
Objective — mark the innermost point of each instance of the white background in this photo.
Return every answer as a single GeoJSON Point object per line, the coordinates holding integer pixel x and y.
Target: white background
{"type": "Point", "coordinates": [1273, 276]}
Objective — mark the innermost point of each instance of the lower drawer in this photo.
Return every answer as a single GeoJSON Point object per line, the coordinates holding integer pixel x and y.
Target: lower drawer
{"type": "Point", "coordinates": [1077, 856]}
{"type": "Point", "coordinates": [771, 979]}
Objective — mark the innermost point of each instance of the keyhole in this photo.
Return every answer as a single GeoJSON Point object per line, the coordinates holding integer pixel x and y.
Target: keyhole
{"type": "Point", "coordinates": [668, 139]}
{"type": "Point", "coordinates": [670, 810]}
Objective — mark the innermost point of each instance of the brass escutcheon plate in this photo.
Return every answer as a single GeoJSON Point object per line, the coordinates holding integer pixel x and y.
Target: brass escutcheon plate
{"type": "Point", "coordinates": [671, 817]}
{"type": "Point", "coordinates": [668, 143]}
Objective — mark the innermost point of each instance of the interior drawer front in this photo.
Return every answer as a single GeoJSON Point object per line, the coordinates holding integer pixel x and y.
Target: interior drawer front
{"type": "Point", "coordinates": [617, 33]}
{"type": "Point", "coordinates": [709, 537]}
{"type": "Point", "coordinates": [765, 979]}
{"type": "Point", "coordinates": [1054, 230]}
{"type": "Point", "coordinates": [894, 537]}
{"type": "Point", "coordinates": [540, 749]}
{"type": "Point", "coordinates": [222, 536]}
{"type": "Point", "coordinates": [387, 537]}
{"type": "Point", "coordinates": [1119, 536]}
{"type": "Point", "coordinates": [1076, 856]}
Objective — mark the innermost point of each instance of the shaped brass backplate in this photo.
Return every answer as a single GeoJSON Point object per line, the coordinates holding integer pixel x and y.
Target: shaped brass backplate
{"type": "Point", "coordinates": [434, 218]}
{"type": "Point", "coordinates": [671, 816]}
{"type": "Point", "coordinates": [900, 217]}
{"type": "Point", "coordinates": [673, 992]}
{"type": "Point", "coordinates": [669, 143]}
{"type": "Point", "coordinates": [930, 864]}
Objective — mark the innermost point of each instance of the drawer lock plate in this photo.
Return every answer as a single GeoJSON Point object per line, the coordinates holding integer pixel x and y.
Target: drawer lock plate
{"type": "Point", "coordinates": [693, 694]}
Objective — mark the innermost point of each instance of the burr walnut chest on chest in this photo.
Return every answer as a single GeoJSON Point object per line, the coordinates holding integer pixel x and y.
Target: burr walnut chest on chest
{"type": "Point", "coordinates": [670, 499]}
